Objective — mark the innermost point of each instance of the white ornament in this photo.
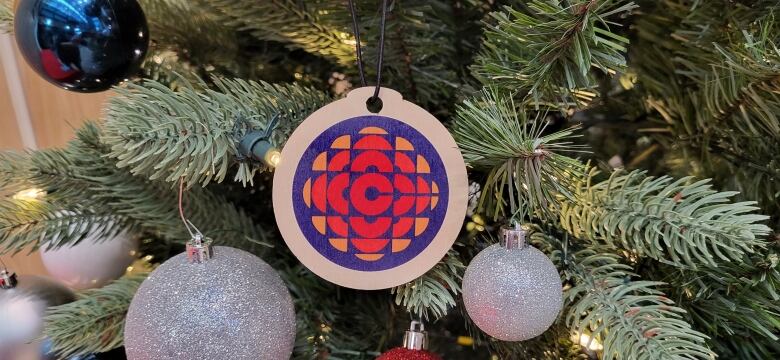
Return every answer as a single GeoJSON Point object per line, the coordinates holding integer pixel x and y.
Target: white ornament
{"type": "Point", "coordinates": [93, 262]}
{"type": "Point", "coordinates": [225, 305]}
{"type": "Point", "coordinates": [23, 305]}
{"type": "Point", "coordinates": [512, 291]}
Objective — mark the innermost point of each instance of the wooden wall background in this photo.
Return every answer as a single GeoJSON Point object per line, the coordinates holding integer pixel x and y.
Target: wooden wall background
{"type": "Point", "coordinates": [36, 114]}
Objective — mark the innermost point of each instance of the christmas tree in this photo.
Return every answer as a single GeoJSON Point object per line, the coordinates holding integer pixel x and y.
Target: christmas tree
{"type": "Point", "coordinates": [636, 142]}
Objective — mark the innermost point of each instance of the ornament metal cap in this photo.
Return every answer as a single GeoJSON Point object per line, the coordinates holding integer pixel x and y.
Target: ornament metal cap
{"type": "Point", "coordinates": [198, 249]}
{"type": "Point", "coordinates": [416, 338]}
{"type": "Point", "coordinates": [7, 279]}
{"type": "Point", "coordinates": [513, 237]}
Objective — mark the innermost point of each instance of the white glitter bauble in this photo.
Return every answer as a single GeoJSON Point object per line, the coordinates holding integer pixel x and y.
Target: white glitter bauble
{"type": "Point", "coordinates": [232, 306]}
{"type": "Point", "coordinates": [22, 309]}
{"type": "Point", "coordinates": [92, 262]}
{"type": "Point", "coordinates": [512, 294]}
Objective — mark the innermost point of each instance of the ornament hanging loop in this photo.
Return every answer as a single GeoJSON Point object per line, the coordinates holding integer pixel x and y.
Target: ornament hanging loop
{"type": "Point", "coordinates": [416, 338]}
{"type": "Point", "coordinates": [513, 237]}
{"type": "Point", "coordinates": [198, 247]}
{"type": "Point", "coordinates": [374, 103]}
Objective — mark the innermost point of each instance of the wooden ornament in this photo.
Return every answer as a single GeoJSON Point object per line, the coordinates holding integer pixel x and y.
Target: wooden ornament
{"type": "Point", "coordinates": [370, 200]}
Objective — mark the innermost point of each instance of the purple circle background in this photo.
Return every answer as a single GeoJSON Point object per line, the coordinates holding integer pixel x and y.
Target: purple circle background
{"type": "Point", "coordinates": [351, 127]}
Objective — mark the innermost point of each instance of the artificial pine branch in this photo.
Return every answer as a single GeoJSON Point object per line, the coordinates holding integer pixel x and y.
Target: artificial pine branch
{"type": "Point", "coordinates": [287, 21]}
{"type": "Point", "coordinates": [737, 302]}
{"type": "Point", "coordinates": [632, 318]}
{"type": "Point", "coordinates": [714, 82]}
{"type": "Point", "coordinates": [192, 31]}
{"type": "Point", "coordinates": [95, 322]}
{"type": "Point", "coordinates": [681, 222]}
{"type": "Point", "coordinates": [26, 224]}
{"type": "Point", "coordinates": [740, 93]}
{"type": "Point", "coordinates": [333, 322]}
{"type": "Point", "coordinates": [13, 172]}
{"type": "Point", "coordinates": [87, 193]}
{"type": "Point", "coordinates": [420, 54]}
{"type": "Point", "coordinates": [527, 169]}
{"type": "Point", "coordinates": [166, 67]}
{"type": "Point", "coordinates": [546, 53]}
{"type": "Point", "coordinates": [747, 348]}
{"type": "Point", "coordinates": [162, 134]}
{"type": "Point", "coordinates": [6, 16]}
{"type": "Point", "coordinates": [432, 295]}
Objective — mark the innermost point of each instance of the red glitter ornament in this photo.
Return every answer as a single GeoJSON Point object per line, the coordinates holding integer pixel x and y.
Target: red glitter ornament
{"type": "Point", "coordinates": [415, 345]}
{"type": "Point", "coordinates": [400, 353]}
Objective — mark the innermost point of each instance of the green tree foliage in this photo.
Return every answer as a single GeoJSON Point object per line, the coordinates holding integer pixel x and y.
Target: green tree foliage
{"type": "Point", "coordinates": [713, 79]}
{"type": "Point", "coordinates": [95, 322]}
{"type": "Point", "coordinates": [632, 318]}
{"type": "Point", "coordinates": [6, 16]}
{"type": "Point", "coordinates": [681, 222]}
{"type": "Point", "coordinates": [183, 27]}
{"type": "Point", "coordinates": [432, 295]}
{"type": "Point", "coordinates": [188, 134]}
{"type": "Point", "coordinates": [294, 23]}
{"type": "Point", "coordinates": [546, 49]}
{"type": "Point", "coordinates": [521, 160]}
{"type": "Point", "coordinates": [87, 193]}
{"type": "Point", "coordinates": [657, 264]}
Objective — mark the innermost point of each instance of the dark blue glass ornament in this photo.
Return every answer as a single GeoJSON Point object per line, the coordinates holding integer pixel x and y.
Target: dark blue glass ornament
{"type": "Point", "coordinates": [82, 45]}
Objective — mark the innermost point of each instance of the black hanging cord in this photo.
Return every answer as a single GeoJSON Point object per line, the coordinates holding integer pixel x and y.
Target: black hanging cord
{"type": "Point", "coordinates": [359, 51]}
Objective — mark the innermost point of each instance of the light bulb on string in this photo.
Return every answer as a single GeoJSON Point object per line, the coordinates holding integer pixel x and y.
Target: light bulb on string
{"type": "Point", "coordinates": [29, 194]}
{"type": "Point", "coordinates": [587, 341]}
{"type": "Point", "coordinates": [256, 145]}
{"type": "Point", "coordinates": [272, 157]}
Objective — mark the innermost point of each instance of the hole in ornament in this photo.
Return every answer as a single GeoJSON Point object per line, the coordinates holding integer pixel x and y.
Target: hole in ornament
{"type": "Point", "coordinates": [374, 104]}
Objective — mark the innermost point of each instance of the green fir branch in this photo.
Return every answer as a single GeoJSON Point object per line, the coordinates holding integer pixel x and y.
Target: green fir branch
{"type": "Point", "coordinates": [432, 295]}
{"type": "Point", "coordinates": [13, 172]}
{"type": "Point", "coordinates": [712, 73]}
{"type": "Point", "coordinates": [419, 56]}
{"type": "Point", "coordinates": [631, 318]}
{"type": "Point", "coordinates": [747, 348]}
{"type": "Point", "coordinates": [196, 34]}
{"type": "Point", "coordinates": [546, 52]}
{"type": "Point", "coordinates": [737, 302]}
{"type": "Point", "coordinates": [526, 168]}
{"type": "Point", "coordinates": [287, 21]}
{"type": "Point", "coordinates": [6, 16]}
{"type": "Point", "coordinates": [27, 224]}
{"type": "Point", "coordinates": [681, 222]}
{"type": "Point", "coordinates": [167, 135]}
{"type": "Point", "coordinates": [95, 322]}
{"type": "Point", "coordinates": [741, 95]}
{"type": "Point", "coordinates": [86, 192]}
{"type": "Point", "coordinates": [166, 67]}
{"type": "Point", "coordinates": [327, 316]}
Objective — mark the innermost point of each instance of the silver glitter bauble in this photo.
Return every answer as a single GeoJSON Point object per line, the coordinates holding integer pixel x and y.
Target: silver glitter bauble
{"type": "Point", "coordinates": [231, 306]}
{"type": "Point", "coordinates": [22, 308]}
{"type": "Point", "coordinates": [512, 294]}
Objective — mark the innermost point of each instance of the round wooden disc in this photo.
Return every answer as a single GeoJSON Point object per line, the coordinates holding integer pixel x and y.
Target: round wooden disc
{"type": "Point", "coordinates": [370, 200]}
